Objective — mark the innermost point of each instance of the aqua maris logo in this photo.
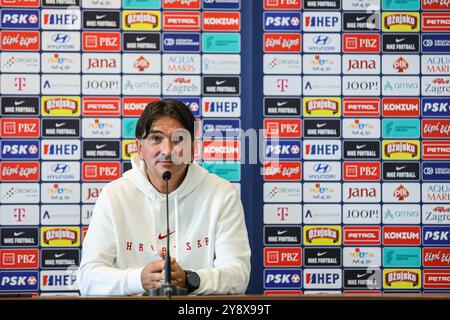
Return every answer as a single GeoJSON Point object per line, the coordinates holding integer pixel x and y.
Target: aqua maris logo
{"type": "Point", "coordinates": [436, 192]}
{"type": "Point", "coordinates": [436, 64]}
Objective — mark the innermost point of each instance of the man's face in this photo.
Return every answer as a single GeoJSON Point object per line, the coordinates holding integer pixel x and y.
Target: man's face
{"type": "Point", "coordinates": [168, 147]}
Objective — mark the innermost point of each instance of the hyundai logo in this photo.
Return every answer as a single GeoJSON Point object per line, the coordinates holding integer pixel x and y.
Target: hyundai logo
{"type": "Point", "coordinates": [60, 168]}
{"type": "Point", "coordinates": [322, 168]}
{"type": "Point", "coordinates": [321, 40]}
{"type": "Point", "coordinates": [61, 38]}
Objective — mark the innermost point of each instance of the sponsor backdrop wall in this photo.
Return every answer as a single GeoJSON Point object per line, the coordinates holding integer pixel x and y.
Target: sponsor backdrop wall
{"type": "Point", "coordinates": [352, 187]}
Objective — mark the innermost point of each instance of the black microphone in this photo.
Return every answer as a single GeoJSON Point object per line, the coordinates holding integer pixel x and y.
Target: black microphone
{"type": "Point", "coordinates": [167, 289]}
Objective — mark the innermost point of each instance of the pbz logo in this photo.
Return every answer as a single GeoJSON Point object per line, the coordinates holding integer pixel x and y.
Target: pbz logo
{"type": "Point", "coordinates": [282, 278]}
{"type": "Point", "coordinates": [19, 281]}
{"type": "Point", "coordinates": [19, 149]}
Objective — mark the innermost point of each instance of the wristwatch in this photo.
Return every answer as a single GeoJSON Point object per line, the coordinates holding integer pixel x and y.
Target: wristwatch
{"type": "Point", "coordinates": [192, 281]}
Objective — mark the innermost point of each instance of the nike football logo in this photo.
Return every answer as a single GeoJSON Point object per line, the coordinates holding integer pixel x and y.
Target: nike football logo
{"type": "Point", "coordinates": [280, 104]}
{"type": "Point", "coordinates": [281, 232]}
{"type": "Point", "coordinates": [360, 275]}
{"type": "Point", "coordinates": [162, 237]}
{"type": "Point", "coordinates": [218, 83]}
{"type": "Point", "coordinates": [59, 255]}
{"type": "Point", "coordinates": [320, 125]}
{"type": "Point", "coordinates": [98, 17]}
{"type": "Point", "coordinates": [140, 38]}
{"type": "Point", "coordinates": [58, 125]}
{"type": "Point", "coordinates": [101, 146]}
{"type": "Point", "coordinates": [18, 103]}
{"type": "Point", "coordinates": [16, 234]}
{"type": "Point", "coordinates": [399, 40]}
{"type": "Point", "coordinates": [360, 146]}
{"type": "Point", "coordinates": [360, 18]}
{"type": "Point", "coordinates": [400, 168]}
{"type": "Point", "coordinates": [319, 254]}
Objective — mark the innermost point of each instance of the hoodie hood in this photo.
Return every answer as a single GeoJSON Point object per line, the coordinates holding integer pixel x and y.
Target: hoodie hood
{"type": "Point", "coordinates": [137, 176]}
{"type": "Point", "coordinates": [194, 177]}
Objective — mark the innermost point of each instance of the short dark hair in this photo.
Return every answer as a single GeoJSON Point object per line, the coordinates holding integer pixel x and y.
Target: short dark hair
{"type": "Point", "coordinates": [166, 107]}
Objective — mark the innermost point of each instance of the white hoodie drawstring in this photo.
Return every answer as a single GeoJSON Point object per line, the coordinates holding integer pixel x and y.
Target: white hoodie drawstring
{"type": "Point", "coordinates": [177, 230]}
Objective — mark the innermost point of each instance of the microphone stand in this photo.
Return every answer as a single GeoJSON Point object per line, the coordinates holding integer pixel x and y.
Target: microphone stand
{"type": "Point", "coordinates": [167, 289]}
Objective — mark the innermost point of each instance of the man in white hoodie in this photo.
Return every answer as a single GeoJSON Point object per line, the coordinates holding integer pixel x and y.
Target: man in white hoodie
{"type": "Point", "coordinates": [124, 248]}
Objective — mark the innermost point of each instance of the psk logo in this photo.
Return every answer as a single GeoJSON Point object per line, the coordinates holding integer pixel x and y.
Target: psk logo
{"type": "Point", "coordinates": [322, 168]}
{"type": "Point", "coordinates": [61, 38]}
{"type": "Point", "coordinates": [295, 149]}
{"type": "Point", "coordinates": [322, 40]}
{"type": "Point", "coordinates": [295, 278]}
{"type": "Point", "coordinates": [32, 280]}
{"type": "Point", "coordinates": [60, 168]}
